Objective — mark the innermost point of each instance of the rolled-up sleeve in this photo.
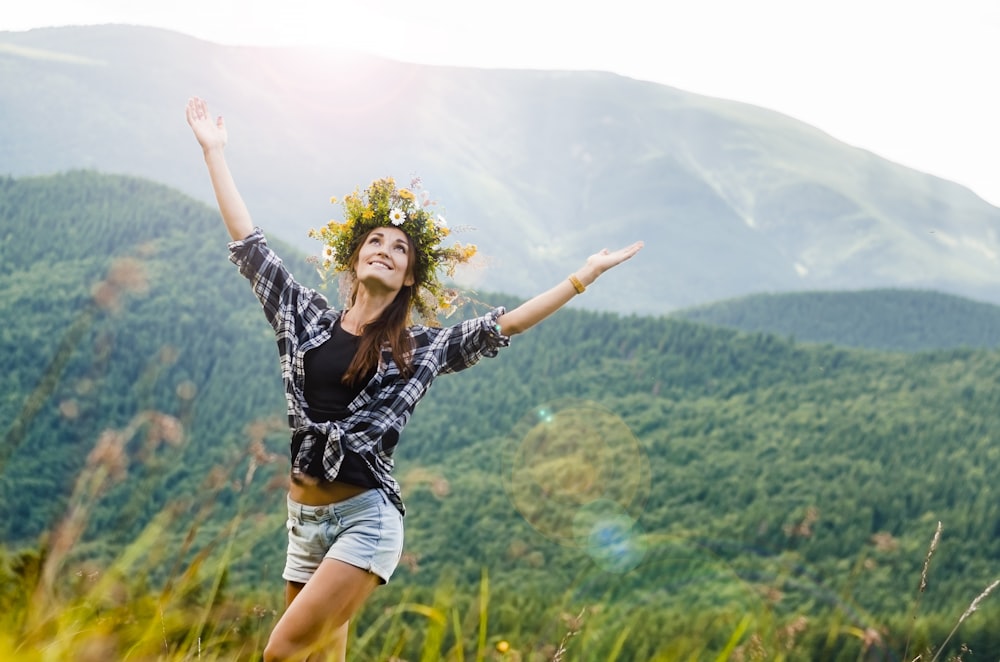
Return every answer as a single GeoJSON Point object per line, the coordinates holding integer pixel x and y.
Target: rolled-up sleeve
{"type": "Point", "coordinates": [464, 344]}
{"type": "Point", "coordinates": [274, 286]}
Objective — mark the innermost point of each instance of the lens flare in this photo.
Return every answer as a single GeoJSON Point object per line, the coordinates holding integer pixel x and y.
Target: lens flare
{"type": "Point", "coordinates": [610, 536]}
{"type": "Point", "coordinates": [579, 476]}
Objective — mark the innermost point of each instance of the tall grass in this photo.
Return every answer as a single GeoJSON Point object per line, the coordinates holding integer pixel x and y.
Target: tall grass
{"type": "Point", "coordinates": [66, 608]}
{"type": "Point", "coordinates": [165, 597]}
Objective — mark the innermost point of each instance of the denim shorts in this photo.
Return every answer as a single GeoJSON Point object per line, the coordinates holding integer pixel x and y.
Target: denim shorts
{"type": "Point", "coordinates": [365, 531]}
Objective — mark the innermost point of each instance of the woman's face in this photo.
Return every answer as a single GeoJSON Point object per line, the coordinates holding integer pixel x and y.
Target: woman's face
{"type": "Point", "coordinates": [384, 259]}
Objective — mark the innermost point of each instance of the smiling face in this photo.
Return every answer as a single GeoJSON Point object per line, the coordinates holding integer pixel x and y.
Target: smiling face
{"type": "Point", "coordinates": [384, 259]}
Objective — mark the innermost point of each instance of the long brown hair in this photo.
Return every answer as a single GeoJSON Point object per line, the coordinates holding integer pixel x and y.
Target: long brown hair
{"type": "Point", "coordinates": [390, 327]}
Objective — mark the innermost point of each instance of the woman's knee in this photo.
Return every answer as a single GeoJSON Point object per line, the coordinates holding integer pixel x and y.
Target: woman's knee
{"type": "Point", "coordinates": [279, 650]}
{"type": "Point", "coordinates": [272, 652]}
{"type": "Point", "coordinates": [328, 646]}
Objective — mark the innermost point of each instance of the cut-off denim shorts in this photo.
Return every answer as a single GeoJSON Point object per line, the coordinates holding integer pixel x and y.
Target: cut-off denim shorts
{"type": "Point", "coordinates": [365, 531]}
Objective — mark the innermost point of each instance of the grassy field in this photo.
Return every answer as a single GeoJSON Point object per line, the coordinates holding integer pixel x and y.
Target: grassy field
{"type": "Point", "coordinates": [149, 604]}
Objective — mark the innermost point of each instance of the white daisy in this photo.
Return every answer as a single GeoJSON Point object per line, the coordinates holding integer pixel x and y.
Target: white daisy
{"type": "Point", "coordinates": [441, 222]}
{"type": "Point", "coordinates": [397, 216]}
{"type": "Point", "coordinates": [328, 252]}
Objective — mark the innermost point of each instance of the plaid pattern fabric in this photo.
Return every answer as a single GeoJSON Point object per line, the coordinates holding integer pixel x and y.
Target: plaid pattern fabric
{"type": "Point", "coordinates": [302, 319]}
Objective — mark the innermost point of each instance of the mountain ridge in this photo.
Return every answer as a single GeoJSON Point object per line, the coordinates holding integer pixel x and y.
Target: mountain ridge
{"type": "Point", "coordinates": [889, 319]}
{"type": "Point", "coordinates": [731, 199]}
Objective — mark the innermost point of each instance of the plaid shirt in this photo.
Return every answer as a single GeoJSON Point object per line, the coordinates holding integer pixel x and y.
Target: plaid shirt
{"type": "Point", "coordinates": [302, 319]}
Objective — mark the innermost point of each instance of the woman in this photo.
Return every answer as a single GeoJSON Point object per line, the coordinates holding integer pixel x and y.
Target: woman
{"type": "Point", "coordinates": [352, 377]}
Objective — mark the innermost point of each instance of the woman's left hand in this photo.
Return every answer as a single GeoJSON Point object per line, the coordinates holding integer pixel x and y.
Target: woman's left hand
{"type": "Point", "coordinates": [603, 260]}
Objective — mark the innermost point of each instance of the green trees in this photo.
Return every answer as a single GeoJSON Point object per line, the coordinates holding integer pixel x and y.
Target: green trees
{"type": "Point", "coordinates": [764, 476]}
{"type": "Point", "coordinates": [892, 319]}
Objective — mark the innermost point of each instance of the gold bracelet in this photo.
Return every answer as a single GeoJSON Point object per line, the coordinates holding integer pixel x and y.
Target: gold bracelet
{"type": "Point", "coordinates": [577, 285]}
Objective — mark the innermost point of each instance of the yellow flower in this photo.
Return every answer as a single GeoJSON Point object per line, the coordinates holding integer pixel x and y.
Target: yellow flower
{"type": "Point", "coordinates": [333, 199]}
{"type": "Point", "coordinates": [367, 214]}
{"type": "Point", "coordinates": [406, 194]}
{"type": "Point", "coordinates": [502, 646]}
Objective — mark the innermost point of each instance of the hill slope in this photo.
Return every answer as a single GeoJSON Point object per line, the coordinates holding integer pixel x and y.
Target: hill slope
{"type": "Point", "coordinates": [632, 462]}
{"type": "Point", "coordinates": [905, 320]}
{"type": "Point", "coordinates": [548, 166]}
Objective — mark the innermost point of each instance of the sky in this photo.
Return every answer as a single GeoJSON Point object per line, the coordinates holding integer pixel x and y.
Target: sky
{"type": "Point", "coordinates": [914, 81]}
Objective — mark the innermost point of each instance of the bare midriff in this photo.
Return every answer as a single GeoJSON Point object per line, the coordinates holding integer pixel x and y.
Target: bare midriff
{"type": "Point", "coordinates": [323, 492]}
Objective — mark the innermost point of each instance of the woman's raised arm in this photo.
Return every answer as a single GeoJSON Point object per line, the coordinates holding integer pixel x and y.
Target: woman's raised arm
{"type": "Point", "coordinates": [212, 137]}
{"type": "Point", "coordinates": [536, 309]}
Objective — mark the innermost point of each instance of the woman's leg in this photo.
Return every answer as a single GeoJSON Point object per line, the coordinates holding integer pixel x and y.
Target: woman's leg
{"type": "Point", "coordinates": [314, 625]}
{"type": "Point", "coordinates": [337, 649]}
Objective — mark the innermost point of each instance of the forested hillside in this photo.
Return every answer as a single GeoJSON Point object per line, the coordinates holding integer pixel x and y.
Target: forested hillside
{"type": "Point", "coordinates": [120, 300]}
{"type": "Point", "coordinates": [667, 471]}
{"type": "Point", "coordinates": [906, 320]}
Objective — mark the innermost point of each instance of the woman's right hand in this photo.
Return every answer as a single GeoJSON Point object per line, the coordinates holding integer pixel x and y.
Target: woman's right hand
{"type": "Point", "coordinates": [211, 134]}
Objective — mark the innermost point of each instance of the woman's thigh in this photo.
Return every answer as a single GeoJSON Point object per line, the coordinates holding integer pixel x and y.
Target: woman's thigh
{"type": "Point", "coordinates": [317, 615]}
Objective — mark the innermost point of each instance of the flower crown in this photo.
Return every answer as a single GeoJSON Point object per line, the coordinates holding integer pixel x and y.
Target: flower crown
{"type": "Point", "coordinates": [382, 204]}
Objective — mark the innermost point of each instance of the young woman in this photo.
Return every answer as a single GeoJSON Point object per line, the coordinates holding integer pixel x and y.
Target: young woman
{"type": "Point", "coordinates": [352, 378]}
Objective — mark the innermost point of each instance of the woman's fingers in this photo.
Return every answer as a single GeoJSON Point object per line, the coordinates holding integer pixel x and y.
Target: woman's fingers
{"type": "Point", "coordinates": [605, 259]}
{"type": "Point", "coordinates": [621, 254]}
{"type": "Point", "coordinates": [209, 132]}
{"type": "Point", "coordinates": [629, 251]}
{"type": "Point", "coordinates": [194, 111]}
{"type": "Point", "coordinates": [197, 109]}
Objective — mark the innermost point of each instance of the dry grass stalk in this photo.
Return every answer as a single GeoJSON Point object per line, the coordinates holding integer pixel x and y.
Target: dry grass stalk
{"type": "Point", "coordinates": [968, 612]}
{"type": "Point", "coordinates": [575, 624]}
{"type": "Point", "coordinates": [927, 560]}
{"type": "Point", "coordinates": [923, 587]}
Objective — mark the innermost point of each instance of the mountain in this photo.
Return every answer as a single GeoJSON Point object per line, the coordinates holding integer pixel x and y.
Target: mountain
{"type": "Point", "coordinates": [905, 320]}
{"type": "Point", "coordinates": [547, 166]}
{"type": "Point", "coordinates": [656, 468]}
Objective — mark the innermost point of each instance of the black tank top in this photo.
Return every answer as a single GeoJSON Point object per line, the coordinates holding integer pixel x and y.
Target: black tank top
{"type": "Point", "coordinates": [328, 396]}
